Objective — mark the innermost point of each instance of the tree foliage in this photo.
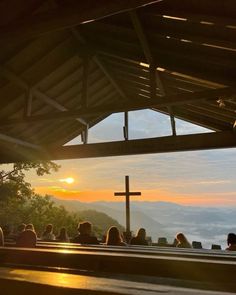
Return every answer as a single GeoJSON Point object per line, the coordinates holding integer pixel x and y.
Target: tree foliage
{"type": "Point", "coordinates": [19, 203]}
{"type": "Point", "coordinates": [13, 184]}
{"type": "Point", "coordinates": [101, 221]}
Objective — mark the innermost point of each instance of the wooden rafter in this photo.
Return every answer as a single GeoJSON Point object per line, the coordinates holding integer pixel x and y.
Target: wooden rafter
{"type": "Point", "coordinates": [28, 103]}
{"type": "Point", "coordinates": [19, 142]}
{"type": "Point", "coordinates": [98, 61]}
{"type": "Point", "coordinates": [34, 91]}
{"type": "Point", "coordinates": [155, 79]}
{"type": "Point", "coordinates": [167, 101]}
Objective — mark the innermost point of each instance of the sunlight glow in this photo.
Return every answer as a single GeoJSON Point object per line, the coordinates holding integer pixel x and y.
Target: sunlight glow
{"type": "Point", "coordinates": [68, 180]}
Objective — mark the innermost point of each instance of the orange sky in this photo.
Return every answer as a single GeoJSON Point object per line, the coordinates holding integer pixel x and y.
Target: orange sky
{"type": "Point", "coordinates": [207, 199]}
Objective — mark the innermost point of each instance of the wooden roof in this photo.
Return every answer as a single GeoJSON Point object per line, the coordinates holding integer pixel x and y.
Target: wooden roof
{"type": "Point", "coordinates": [65, 66]}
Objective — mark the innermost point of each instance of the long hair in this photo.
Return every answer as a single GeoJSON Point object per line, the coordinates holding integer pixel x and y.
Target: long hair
{"type": "Point", "coordinates": [141, 234]}
{"type": "Point", "coordinates": [113, 236]}
{"type": "Point", "coordinates": [231, 239]}
{"type": "Point", "coordinates": [181, 238]}
{"type": "Point", "coordinates": [63, 234]}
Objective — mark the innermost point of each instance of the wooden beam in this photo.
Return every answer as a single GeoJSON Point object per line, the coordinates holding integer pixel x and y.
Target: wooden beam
{"type": "Point", "coordinates": [203, 141]}
{"type": "Point", "coordinates": [34, 91]}
{"type": "Point", "coordinates": [84, 94]}
{"type": "Point", "coordinates": [145, 146]}
{"type": "Point", "coordinates": [200, 120]}
{"type": "Point", "coordinates": [166, 101]}
{"type": "Point", "coordinates": [66, 16]}
{"type": "Point", "coordinates": [141, 35]}
{"type": "Point", "coordinates": [155, 79]}
{"type": "Point", "coordinates": [98, 62]}
{"type": "Point", "coordinates": [18, 142]}
{"type": "Point", "coordinates": [126, 126]}
{"type": "Point", "coordinates": [28, 103]}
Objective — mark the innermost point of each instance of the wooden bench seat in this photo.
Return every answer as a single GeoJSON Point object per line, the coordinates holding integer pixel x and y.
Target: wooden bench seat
{"type": "Point", "coordinates": [15, 280]}
{"type": "Point", "coordinates": [149, 250]}
{"type": "Point", "coordinates": [218, 271]}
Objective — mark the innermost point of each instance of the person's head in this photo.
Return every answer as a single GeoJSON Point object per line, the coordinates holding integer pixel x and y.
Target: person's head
{"type": "Point", "coordinates": [113, 236]}
{"type": "Point", "coordinates": [27, 238]}
{"type": "Point", "coordinates": [29, 227]}
{"type": "Point", "coordinates": [180, 237]}
{"type": "Point", "coordinates": [49, 228]}
{"type": "Point", "coordinates": [6, 230]}
{"type": "Point", "coordinates": [231, 239]}
{"type": "Point", "coordinates": [85, 228]}
{"type": "Point", "coordinates": [21, 227]}
{"type": "Point", "coordinates": [141, 234]}
{"type": "Point", "coordinates": [63, 233]}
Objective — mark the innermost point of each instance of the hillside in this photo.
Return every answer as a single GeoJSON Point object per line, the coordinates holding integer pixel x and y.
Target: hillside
{"type": "Point", "coordinates": [206, 224]}
{"type": "Point", "coordinates": [101, 221]}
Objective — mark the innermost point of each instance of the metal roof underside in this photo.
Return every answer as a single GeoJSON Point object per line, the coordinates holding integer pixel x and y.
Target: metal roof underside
{"type": "Point", "coordinates": [65, 66]}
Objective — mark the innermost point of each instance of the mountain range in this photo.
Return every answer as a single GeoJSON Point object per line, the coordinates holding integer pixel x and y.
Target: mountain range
{"type": "Point", "coordinates": [206, 224]}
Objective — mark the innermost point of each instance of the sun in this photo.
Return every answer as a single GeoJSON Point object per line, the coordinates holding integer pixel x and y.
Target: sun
{"type": "Point", "coordinates": [68, 180]}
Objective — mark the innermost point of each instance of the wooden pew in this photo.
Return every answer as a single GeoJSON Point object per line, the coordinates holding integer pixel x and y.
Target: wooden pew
{"type": "Point", "coordinates": [216, 271]}
{"type": "Point", "coordinates": [13, 281]}
{"type": "Point", "coordinates": [147, 250]}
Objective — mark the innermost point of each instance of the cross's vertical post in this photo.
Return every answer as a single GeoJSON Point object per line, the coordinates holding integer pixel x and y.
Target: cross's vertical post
{"type": "Point", "coordinates": [127, 204]}
{"type": "Point", "coordinates": [127, 195]}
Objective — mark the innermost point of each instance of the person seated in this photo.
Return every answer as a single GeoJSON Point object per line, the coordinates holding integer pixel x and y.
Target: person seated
{"type": "Point", "coordinates": [7, 232]}
{"type": "Point", "coordinates": [48, 234]}
{"type": "Point", "coordinates": [140, 238]}
{"type": "Point", "coordinates": [21, 227]}
{"type": "Point", "coordinates": [231, 242]}
{"type": "Point", "coordinates": [114, 238]}
{"type": "Point", "coordinates": [27, 238]}
{"type": "Point", "coordinates": [1, 238]}
{"type": "Point", "coordinates": [30, 226]}
{"type": "Point", "coordinates": [182, 241]}
{"type": "Point", "coordinates": [85, 234]}
{"type": "Point", "coordinates": [63, 237]}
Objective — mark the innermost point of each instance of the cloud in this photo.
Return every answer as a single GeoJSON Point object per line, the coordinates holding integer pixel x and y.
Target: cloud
{"type": "Point", "coordinates": [214, 182]}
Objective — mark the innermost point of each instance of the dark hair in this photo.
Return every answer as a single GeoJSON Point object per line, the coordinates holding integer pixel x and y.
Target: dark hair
{"type": "Point", "coordinates": [63, 234]}
{"type": "Point", "coordinates": [21, 227]}
{"type": "Point", "coordinates": [231, 239]}
{"type": "Point", "coordinates": [48, 229]}
{"type": "Point", "coordinates": [181, 238]}
{"type": "Point", "coordinates": [113, 236]}
{"type": "Point", "coordinates": [141, 234]}
{"type": "Point", "coordinates": [85, 228]}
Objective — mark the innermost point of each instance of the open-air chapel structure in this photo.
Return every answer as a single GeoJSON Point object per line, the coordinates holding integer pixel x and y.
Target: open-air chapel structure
{"type": "Point", "coordinates": [66, 65]}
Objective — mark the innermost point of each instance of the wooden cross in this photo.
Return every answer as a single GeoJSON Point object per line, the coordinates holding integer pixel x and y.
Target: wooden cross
{"type": "Point", "coordinates": [127, 194]}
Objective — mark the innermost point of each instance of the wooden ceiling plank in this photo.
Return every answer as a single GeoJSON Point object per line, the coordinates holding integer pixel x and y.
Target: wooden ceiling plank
{"type": "Point", "coordinates": [66, 16]}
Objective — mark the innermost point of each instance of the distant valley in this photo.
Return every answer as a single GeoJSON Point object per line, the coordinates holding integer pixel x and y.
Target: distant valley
{"type": "Point", "coordinates": [208, 225]}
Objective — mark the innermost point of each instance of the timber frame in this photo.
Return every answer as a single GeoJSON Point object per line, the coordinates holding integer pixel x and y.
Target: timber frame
{"type": "Point", "coordinates": [67, 65]}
